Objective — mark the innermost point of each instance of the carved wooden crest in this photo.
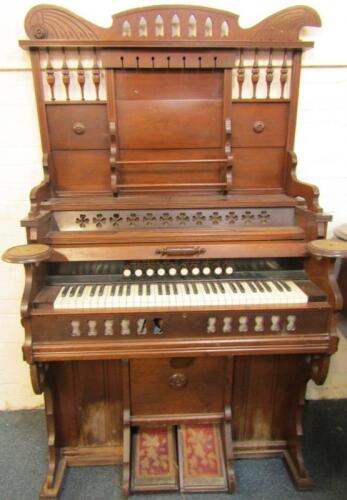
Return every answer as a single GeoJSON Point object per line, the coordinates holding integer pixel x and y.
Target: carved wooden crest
{"type": "Point", "coordinates": [171, 24]}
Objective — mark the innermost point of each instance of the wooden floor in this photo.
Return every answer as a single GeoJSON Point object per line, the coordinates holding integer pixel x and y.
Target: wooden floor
{"type": "Point", "coordinates": [23, 462]}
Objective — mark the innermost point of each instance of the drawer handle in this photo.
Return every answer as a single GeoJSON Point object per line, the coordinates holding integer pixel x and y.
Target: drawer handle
{"type": "Point", "coordinates": [180, 251]}
{"type": "Point", "coordinates": [178, 380]}
{"type": "Point", "coordinates": [258, 127]}
{"type": "Point", "coordinates": [79, 128]}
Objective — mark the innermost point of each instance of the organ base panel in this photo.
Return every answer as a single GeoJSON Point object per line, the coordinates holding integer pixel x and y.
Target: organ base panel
{"type": "Point", "coordinates": [178, 296]}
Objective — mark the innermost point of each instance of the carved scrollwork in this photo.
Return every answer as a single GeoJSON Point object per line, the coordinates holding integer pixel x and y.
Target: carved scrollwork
{"type": "Point", "coordinates": [319, 368]}
{"type": "Point", "coordinates": [37, 375]}
{"type": "Point", "coordinates": [168, 23]}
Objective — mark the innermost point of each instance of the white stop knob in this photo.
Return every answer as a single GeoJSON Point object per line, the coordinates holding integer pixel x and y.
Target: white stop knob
{"type": "Point", "coordinates": [218, 271]}
{"type": "Point", "coordinates": [195, 271]}
{"type": "Point", "coordinates": [206, 271]}
{"type": "Point", "coordinates": [138, 272]}
{"type": "Point", "coordinates": [172, 271]}
{"type": "Point", "coordinates": [161, 271]}
{"type": "Point", "coordinates": [127, 273]}
{"type": "Point", "coordinates": [150, 272]}
{"type": "Point", "coordinates": [229, 270]}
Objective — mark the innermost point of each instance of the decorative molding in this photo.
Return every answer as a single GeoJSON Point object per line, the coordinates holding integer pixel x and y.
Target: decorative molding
{"type": "Point", "coordinates": [171, 24]}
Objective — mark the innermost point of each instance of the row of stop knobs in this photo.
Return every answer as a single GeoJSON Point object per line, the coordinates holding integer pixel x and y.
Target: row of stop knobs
{"type": "Point", "coordinates": [173, 271]}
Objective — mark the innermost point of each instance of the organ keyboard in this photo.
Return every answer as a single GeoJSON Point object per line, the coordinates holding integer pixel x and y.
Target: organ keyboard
{"type": "Point", "coordinates": [224, 293]}
{"type": "Point", "coordinates": [173, 127]}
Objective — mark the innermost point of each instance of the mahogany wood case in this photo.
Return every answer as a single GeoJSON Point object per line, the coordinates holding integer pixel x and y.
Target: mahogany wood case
{"type": "Point", "coordinates": [168, 162]}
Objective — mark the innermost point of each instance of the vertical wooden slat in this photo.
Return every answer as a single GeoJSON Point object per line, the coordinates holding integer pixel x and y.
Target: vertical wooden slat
{"type": "Point", "coordinates": [50, 75]}
{"type": "Point", "coordinates": [66, 76]}
{"type": "Point", "coordinates": [111, 111]}
{"type": "Point", "coordinates": [81, 77]}
{"type": "Point", "coordinates": [255, 74]}
{"type": "Point", "coordinates": [96, 76]}
{"type": "Point", "coordinates": [240, 74]}
{"type": "Point", "coordinates": [269, 75]}
{"type": "Point", "coordinates": [227, 102]}
{"type": "Point", "coordinates": [44, 133]}
{"type": "Point", "coordinates": [294, 95]}
{"type": "Point", "coordinates": [284, 73]}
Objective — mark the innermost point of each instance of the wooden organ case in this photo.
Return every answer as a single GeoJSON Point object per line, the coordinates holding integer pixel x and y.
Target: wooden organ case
{"type": "Point", "coordinates": [179, 292]}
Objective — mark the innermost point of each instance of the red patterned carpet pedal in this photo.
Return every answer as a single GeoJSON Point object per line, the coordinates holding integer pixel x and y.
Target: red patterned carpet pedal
{"type": "Point", "coordinates": [201, 458]}
{"type": "Point", "coordinates": [154, 459]}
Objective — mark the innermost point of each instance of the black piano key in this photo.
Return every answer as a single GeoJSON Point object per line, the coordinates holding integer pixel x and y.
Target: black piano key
{"type": "Point", "coordinates": [128, 288]}
{"type": "Point", "coordinates": [285, 286]}
{"type": "Point", "coordinates": [120, 290]}
{"type": "Point", "coordinates": [64, 291]}
{"type": "Point", "coordinates": [232, 287]}
{"type": "Point", "coordinates": [186, 288]}
{"type": "Point", "coordinates": [252, 286]}
{"type": "Point", "coordinates": [140, 289]}
{"type": "Point", "coordinates": [213, 287]}
{"type": "Point", "coordinates": [278, 286]}
{"type": "Point", "coordinates": [267, 287]}
{"type": "Point", "coordinates": [220, 287]}
{"type": "Point", "coordinates": [113, 290]}
{"type": "Point", "coordinates": [101, 290]}
{"type": "Point", "coordinates": [80, 291]}
{"type": "Point", "coordinates": [92, 291]}
{"type": "Point", "coordinates": [240, 286]}
{"type": "Point", "coordinates": [206, 288]}
{"type": "Point", "coordinates": [175, 288]}
{"type": "Point", "coordinates": [195, 288]}
{"type": "Point", "coordinates": [259, 286]}
{"type": "Point", "coordinates": [72, 291]}
{"type": "Point", "coordinates": [160, 289]}
{"type": "Point", "coordinates": [148, 290]}
{"type": "Point", "coordinates": [167, 289]}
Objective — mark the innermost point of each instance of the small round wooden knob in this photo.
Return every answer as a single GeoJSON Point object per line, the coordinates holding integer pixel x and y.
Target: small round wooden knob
{"type": "Point", "coordinates": [258, 126]}
{"type": "Point", "coordinates": [79, 128]}
{"type": "Point", "coordinates": [178, 380]}
{"type": "Point", "coordinates": [27, 254]}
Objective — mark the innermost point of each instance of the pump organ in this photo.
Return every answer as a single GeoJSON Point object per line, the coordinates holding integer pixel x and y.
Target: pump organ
{"type": "Point", "coordinates": [177, 279]}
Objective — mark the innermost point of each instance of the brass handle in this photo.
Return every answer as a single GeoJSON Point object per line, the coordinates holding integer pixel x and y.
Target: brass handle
{"type": "Point", "coordinates": [178, 380]}
{"type": "Point", "coordinates": [258, 127]}
{"type": "Point", "coordinates": [175, 251]}
{"type": "Point", "coordinates": [79, 128]}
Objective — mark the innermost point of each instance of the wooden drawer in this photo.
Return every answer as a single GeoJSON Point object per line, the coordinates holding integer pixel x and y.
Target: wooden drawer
{"type": "Point", "coordinates": [245, 117]}
{"type": "Point", "coordinates": [177, 386]}
{"type": "Point", "coordinates": [78, 126]}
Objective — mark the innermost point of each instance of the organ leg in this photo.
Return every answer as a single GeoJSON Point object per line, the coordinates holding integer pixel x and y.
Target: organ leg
{"type": "Point", "coordinates": [126, 428]}
{"type": "Point", "coordinates": [227, 429]}
{"type": "Point", "coordinates": [293, 455]}
{"type": "Point", "coordinates": [56, 463]}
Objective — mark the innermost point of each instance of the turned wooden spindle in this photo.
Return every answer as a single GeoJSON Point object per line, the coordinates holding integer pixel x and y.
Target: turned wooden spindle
{"type": "Point", "coordinates": [66, 76]}
{"type": "Point", "coordinates": [284, 73]}
{"type": "Point", "coordinates": [240, 74]}
{"type": "Point", "coordinates": [269, 75]}
{"type": "Point", "coordinates": [50, 75]}
{"type": "Point", "coordinates": [81, 77]}
{"type": "Point", "coordinates": [96, 76]}
{"type": "Point", "coordinates": [255, 74]}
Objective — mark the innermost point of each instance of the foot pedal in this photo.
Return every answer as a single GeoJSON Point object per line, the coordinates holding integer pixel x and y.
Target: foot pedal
{"type": "Point", "coordinates": [201, 458]}
{"type": "Point", "coordinates": [154, 459]}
